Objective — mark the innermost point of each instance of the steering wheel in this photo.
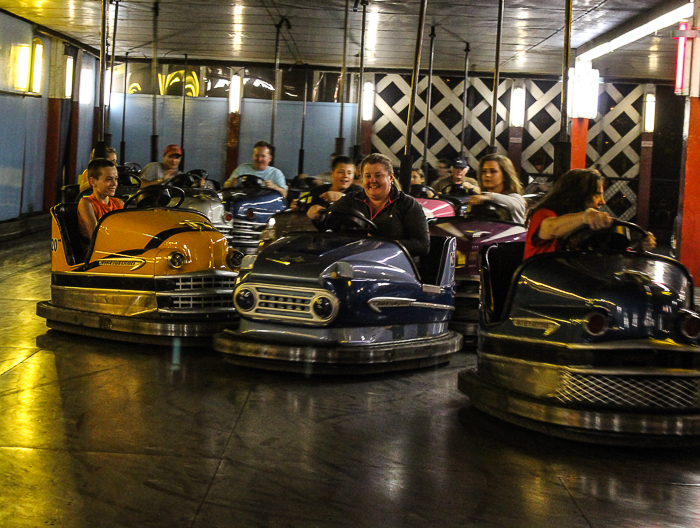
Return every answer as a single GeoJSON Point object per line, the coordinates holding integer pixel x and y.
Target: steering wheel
{"type": "Point", "coordinates": [128, 178]}
{"type": "Point", "coordinates": [456, 189]}
{"type": "Point", "coordinates": [620, 236]}
{"type": "Point", "coordinates": [304, 203]}
{"type": "Point", "coordinates": [186, 180]}
{"type": "Point", "coordinates": [349, 221]}
{"type": "Point", "coordinates": [251, 181]}
{"type": "Point", "coordinates": [155, 196]}
{"type": "Point", "coordinates": [422, 191]}
{"type": "Point", "coordinates": [488, 211]}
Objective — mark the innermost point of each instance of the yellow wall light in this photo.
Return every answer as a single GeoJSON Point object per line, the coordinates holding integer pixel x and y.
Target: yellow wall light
{"type": "Point", "coordinates": [22, 62]}
{"type": "Point", "coordinates": [37, 64]}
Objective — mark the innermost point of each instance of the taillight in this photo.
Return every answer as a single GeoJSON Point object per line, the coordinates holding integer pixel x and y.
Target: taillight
{"type": "Point", "coordinates": [690, 325]}
{"type": "Point", "coordinates": [228, 217]}
{"type": "Point", "coordinates": [250, 213]}
{"type": "Point", "coordinates": [595, 324]}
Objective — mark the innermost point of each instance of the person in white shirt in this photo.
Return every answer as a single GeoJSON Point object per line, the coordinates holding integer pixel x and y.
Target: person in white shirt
{"type": "Point", "coordinates": [260, 167]}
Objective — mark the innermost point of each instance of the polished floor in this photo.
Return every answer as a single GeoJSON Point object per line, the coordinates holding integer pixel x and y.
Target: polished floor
{"type": "Point", "coordinates": [103, 434]}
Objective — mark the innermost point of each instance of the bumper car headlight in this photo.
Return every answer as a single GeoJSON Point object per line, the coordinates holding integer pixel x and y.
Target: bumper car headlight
{"type": "Point", "coordinates": [690, 325]}
{"type": "Point", "coordinates": [595, 324]}
{"type": "Point", "coordinates": [234, 258]}
{"type": "Point", "coordinates": [176, 259]}
{"type": "Point", "coordinates": [244, 300]}
{"type": "Point", "coordinates": [323, 307]}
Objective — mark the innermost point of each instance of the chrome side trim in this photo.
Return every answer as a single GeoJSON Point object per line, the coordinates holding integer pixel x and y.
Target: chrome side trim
{"type": "Point", "coordinates": [378, 303]}
{"type": "Point", "coordinates": [626, 344]}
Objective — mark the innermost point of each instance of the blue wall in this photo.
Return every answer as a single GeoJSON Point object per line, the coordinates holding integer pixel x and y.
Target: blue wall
{"type": "Point", "coordinates": [205, 132]}
{"type": "Point", "coordinates": [22, 128]}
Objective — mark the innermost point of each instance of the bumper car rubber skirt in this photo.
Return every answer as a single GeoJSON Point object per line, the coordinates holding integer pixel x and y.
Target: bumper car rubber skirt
{"type": "Point", "coordinates": [338, 358]}
{"type": "Point", "coordinates": [593, 425]}
{"type": "Point", "coordinates": [190, 332]}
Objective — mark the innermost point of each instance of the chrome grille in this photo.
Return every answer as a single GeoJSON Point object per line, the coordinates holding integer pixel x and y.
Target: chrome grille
{"type": "Point", "coordinates": [200, 302]}
{"type": "Point", "coordinates": [287, 302]}
{"type": "Point", "coordinates": [283, 303]}
{"type": "Point", "coordinates": [643, 392]}
{"type": "Point", "coordinates": [214, 282]}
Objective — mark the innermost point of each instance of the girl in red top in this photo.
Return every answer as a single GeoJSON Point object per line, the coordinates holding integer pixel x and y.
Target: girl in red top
{"type": "Point", "coordinates": [103, 178]}
{"type": "Point", "coordinates": [572, 202]}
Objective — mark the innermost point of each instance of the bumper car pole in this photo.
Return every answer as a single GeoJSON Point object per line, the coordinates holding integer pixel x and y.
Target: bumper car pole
{"type": "Point", "coordinates": [100, 147]}
{"type": "Point", "coordinates": [154, 85]}
{"type": "Point", "coordinates": [122, 143]}
{"type": "Point", "coordinates": [357, 149]}
{"type": "Point", "coordinates": [496, 79]}
{"type": "Point", "coordinates": [407, 161]}
{"type": "Point", "coordinates": [465, 147]}
{"type": "Point", "coordinates": [428, 102]}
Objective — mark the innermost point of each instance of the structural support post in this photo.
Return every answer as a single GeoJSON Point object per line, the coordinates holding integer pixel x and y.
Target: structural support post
{"type": "Point", "coordinates": [300, 168]}
{"type": "Point", "coordinates": [155, 86]}
{"type": "Point", "coordinates": [562, 149]}
{"type": "Point", "coordinates": [579, 142]}
{"type": "Point", "coordinates": [465, 95]}
{"type": "Point", "coordinates": [428, 101]}
{"type": "Point", "coordinates": [496, 78]}
{"type": "Point", "coordinates": [407, 161]}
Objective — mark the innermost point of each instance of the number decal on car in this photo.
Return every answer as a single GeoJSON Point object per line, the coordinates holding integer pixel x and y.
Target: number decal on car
{"type": "Point", "coordinates": [54, 245]}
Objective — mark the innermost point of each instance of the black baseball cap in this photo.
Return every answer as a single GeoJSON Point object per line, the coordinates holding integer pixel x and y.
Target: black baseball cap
{"type": "Point", "coordinates": [460, 164]}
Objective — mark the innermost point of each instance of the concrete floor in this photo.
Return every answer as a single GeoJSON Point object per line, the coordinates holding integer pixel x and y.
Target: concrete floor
{"type": "Point", "coordinates": [103, 434]}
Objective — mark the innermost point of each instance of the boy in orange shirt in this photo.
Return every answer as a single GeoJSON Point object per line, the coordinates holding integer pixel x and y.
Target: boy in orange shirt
{"type": "Point", "coordinates": [103, 178]}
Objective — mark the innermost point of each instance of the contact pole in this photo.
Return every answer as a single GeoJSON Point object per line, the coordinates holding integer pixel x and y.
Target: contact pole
{"type": "Point", "coordinates": [407, 161]}
{"type": "Point", "coordinates": [340, 140]}
{"type": "Point", "coordinates": [428, 101]}
{"type": "Point", "coordinates": [108, 121]}
{"type": "Point", "coordinates": [562, 149]}
{"type": "Point", "coordinates": [155, 85]}
{"type": "Point", "coordinates": [100, 148]}
{"type": "Point", "coordinates": [357, 151]}
{"type": "Point", "coordinates": [300, 168]}
{"type": "Point", "coordinates": [496, 78]}
{"type": "Point", "coordinates": [182, 124]}
{"type": "Point", "coordinates": [122, 143]}
{"type": "Point", "coordinates": [275, 94]}
{"type": "Point", "coordinates": [464, 101]}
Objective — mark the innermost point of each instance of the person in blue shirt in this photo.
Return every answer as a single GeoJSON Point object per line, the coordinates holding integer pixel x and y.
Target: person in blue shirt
{"type": "Point", "coordinates": [260, 166]}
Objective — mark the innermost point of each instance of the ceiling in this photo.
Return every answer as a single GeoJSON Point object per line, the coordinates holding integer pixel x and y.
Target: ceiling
{"type": "Point", "coordinates": [244, 30]}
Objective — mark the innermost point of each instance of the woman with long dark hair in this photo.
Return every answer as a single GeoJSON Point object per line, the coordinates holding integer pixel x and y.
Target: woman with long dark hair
{"type": "Point", "coordinates": [499, 184]}
{"type": "Point", "coordinates": [572, 203]}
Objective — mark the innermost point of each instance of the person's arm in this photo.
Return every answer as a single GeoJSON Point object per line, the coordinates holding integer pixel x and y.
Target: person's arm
{"type": "Point", "coordinates": [515, 203]}
{"type": "Point", "coordinates": [87, 221]}
{"type": "Point", "coordinates": [271, 185]}
{"type": "Point", "coordinates": [233, 179]}
{"type": "Point", "coordinates": [277, 182]}
{"type": "Point", "coordinates": [560, 226]}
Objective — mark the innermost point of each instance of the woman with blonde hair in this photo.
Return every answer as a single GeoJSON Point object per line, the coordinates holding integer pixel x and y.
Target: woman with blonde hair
{"type": "Point", "coordinates": [499, 184]}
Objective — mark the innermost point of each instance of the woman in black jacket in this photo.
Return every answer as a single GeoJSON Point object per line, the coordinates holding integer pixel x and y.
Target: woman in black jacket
{"type": "Point", "coordinates": [397, 216]}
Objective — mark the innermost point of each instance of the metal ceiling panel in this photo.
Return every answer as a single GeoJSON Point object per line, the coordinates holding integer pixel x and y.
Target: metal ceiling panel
{"type": "Point", "coordinates": [244, 30]}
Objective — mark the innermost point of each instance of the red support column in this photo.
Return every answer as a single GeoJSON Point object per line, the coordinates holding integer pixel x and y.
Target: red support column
{"type": "Point", "coordinates": [366, 139]}
{"type": "Point", "coordinates": [579, 142]}
{"type": "Point", "coordinates": [689, 204]}
{"type": "Point", "coordinates": [233, 135]}
{"type": "Point", "coordinates": [52, 182]}
{"type": "Point", "coordinates": [515, 147]}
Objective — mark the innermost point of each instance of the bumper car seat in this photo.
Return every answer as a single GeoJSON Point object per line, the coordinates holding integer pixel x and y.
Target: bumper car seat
{"type": "Point", "coordinates": [498, 265]}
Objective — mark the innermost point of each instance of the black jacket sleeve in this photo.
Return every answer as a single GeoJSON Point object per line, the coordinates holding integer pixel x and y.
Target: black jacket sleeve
{"type": "Point", "coordinates": [416, 238]}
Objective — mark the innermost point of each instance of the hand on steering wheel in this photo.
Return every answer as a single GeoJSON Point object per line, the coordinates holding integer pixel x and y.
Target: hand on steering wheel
{"type": "Point", "coordinates": [347, 221]}
{"type": "Point", "coordinates": [620, 235]}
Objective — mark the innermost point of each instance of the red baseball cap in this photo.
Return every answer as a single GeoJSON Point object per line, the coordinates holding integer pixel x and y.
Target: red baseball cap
{"type": "Point", "coordinates": [172, 149]}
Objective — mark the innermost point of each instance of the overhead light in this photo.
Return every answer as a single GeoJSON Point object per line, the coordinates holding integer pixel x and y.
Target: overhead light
{"type": "Point", "coordinates": [649, 111]}
{"type": "Point", "coordinates": [517, 105]}
{"type": "Point", "coordinates": [69, 77]}
{"type": "Point", "coordinates": [680, 60]}
{"type": "Point", "coordinates": [583, 91]}
{"type": "Point", "coordinates": [368, 101]}
{"type": "Point", "coordinates": [37, 63]}
{"type": "Point", "coordinates": [663, 21]}
{"type": "Point", "coordinates": [234, 94]}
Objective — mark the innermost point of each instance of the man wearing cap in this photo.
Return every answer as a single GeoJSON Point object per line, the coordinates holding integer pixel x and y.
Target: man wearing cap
{"type": "Point", "coordinates": [458, 177]}
{"type": "Point", "coordinates": [260, 167]}
{"type": "Point", "coordinates": [161, 171]}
